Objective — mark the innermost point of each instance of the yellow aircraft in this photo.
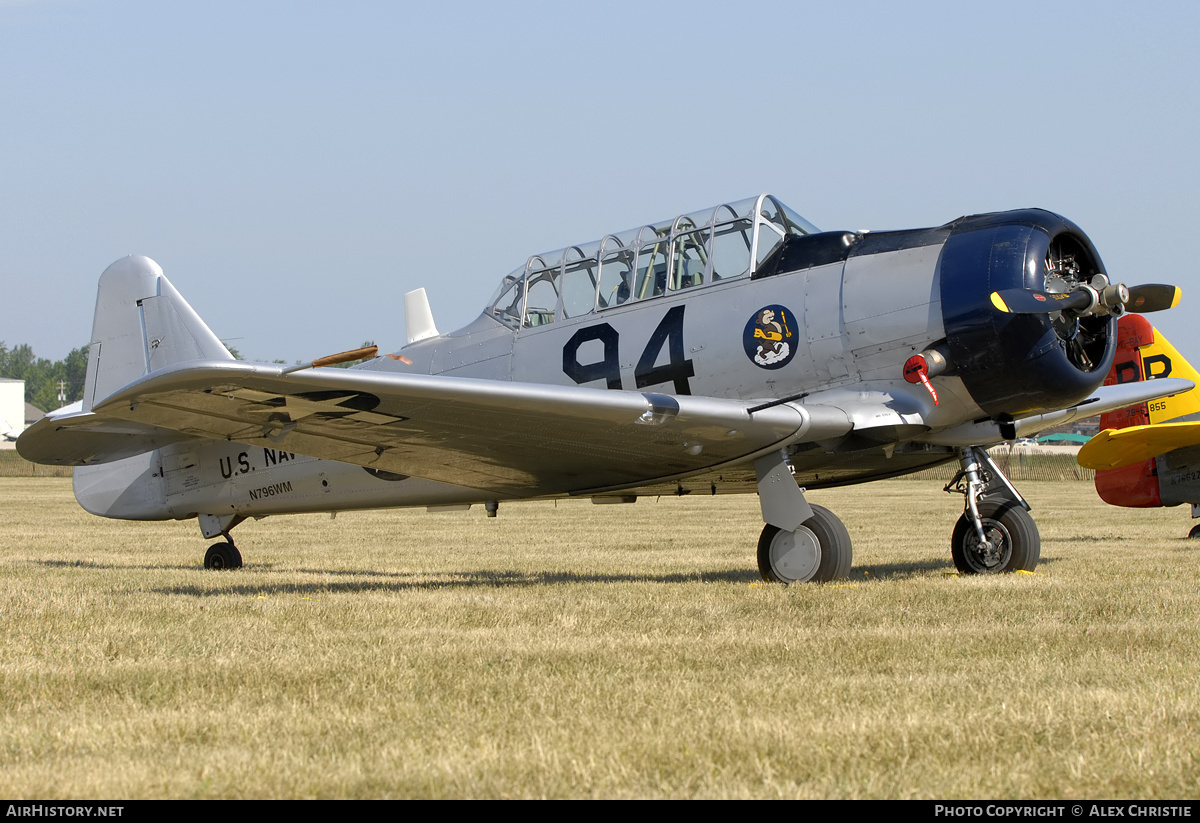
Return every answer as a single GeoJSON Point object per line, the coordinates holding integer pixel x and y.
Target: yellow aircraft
{"type": "Point", "coordinates": [1148, 455]}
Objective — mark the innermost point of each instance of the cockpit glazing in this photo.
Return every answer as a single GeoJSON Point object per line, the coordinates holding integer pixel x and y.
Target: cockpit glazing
{"type": "Point", "coordinates": [690, 251]}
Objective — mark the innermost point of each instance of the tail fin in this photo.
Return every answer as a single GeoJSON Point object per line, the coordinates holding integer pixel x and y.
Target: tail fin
{"type": "Point", "coordinates": [1144, 354]}
{"type": "Point", "coordinates": [141, 324]}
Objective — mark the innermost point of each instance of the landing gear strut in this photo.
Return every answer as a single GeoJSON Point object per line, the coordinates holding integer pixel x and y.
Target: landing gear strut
{"type": "Point", "coordinates": [995, 533]}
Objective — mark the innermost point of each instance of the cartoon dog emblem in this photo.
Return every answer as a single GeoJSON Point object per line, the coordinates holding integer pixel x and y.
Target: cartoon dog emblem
{"type": "Point", "coordinates": [767, 337]}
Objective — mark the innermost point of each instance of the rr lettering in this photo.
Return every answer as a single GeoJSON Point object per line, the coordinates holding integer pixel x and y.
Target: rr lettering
{"type": "Point", "coordinates": [1128, 372]}
{"type": "Point", "coordinates": [1161, 361]}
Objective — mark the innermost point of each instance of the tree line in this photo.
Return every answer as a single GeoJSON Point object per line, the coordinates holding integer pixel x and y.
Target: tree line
{"type": "Point", "coordinates": [43, 377]}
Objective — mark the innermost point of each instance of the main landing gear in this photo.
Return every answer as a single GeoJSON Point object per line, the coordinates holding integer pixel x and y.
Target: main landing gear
{"type": "Point", "coordinates": [816, 551]}
{"type": "Point", "coordinates": [995, 533]}
{"type": "Point", "coordinates": [800, 543]}
{"type": "Point", "coordinates": [806, 543]}
{"type": "Point", "coordinates": [222, 555]}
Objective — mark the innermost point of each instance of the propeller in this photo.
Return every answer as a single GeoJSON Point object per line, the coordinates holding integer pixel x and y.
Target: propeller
{"type": "Point", "coordinates": [1153, 297]}
{"type": "Point", "coordinates": [1097, 298]}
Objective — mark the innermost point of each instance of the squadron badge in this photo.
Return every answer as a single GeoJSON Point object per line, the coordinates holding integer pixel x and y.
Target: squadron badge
{"type": "Point", "coordinates": [769, 338]}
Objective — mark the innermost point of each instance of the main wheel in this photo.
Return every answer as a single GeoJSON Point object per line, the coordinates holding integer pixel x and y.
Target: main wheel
{"type": "Point", "coordinates": [819, 550]}
{"type": "Point", "coordinates": [1015, 542]}
{"type": "Point", "coordinates": [1195, 532]}
{"type": "Point", "coordinates": [222, 556]}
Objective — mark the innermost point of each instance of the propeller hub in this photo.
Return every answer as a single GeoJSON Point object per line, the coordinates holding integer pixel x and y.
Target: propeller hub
{"type": "Point", "coordinates": [1115, 297]}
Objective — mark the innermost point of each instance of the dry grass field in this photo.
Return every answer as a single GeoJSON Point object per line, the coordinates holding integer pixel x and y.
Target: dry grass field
{"type": "Point", "coordinates": [574, 650]}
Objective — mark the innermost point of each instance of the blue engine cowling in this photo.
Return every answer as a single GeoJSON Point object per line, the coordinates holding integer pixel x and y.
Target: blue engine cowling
{"type": "Point", "coordinates": [1018, 363]}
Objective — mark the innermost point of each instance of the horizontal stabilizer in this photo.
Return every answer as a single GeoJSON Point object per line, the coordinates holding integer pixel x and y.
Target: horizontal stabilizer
{"type": "Point", "coordinates": [1116, 448]}
{"type": "Point", "coordinates": [70, 437]}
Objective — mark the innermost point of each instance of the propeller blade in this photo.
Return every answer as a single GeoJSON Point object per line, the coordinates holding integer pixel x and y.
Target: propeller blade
{"type": "Point", "coordinates": [1152, 297]}
{"type": "Point", "coordinates": [1140, 300]}
{"type": "Point", "coordinates": [1028, 301]}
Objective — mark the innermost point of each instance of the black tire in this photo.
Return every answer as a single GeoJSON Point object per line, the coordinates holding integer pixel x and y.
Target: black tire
{"type": "Point", "coordinates": [1005, 523]}
{"type": "Point", "coordinates": [222, 556]}
{"type": "Point", "coordinates": [834, 548]}
{"type": "Point", "coordinates": [1195, 532]}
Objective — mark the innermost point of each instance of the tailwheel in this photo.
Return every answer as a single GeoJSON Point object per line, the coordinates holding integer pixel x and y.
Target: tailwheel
{"type": "Point", "coordinates": [222, 556]}
{"type": "Point", "coordinates": [818, 551]}
{"type": "Point", "coordinates": [1013, 543]}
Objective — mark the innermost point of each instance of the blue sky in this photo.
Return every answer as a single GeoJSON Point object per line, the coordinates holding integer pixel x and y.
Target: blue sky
{"type": "Point", "coordinates": [296, 167]}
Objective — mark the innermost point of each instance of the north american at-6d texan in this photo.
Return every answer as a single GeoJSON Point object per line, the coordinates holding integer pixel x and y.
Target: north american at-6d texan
{"type": "Point", "coordinates": [732, 350]}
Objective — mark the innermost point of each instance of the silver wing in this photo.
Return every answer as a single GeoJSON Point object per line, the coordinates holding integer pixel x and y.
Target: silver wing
{"type": "Point", "coordinates": [511, 438]}
{"type": "Point", "coordinates": [515, 439]}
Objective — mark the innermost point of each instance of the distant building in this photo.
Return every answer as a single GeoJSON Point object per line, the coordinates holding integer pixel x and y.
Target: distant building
{"type": "Point", "coordinates": [1061, 438]}
{"type": "Point", "coordinates": [12, 405]}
